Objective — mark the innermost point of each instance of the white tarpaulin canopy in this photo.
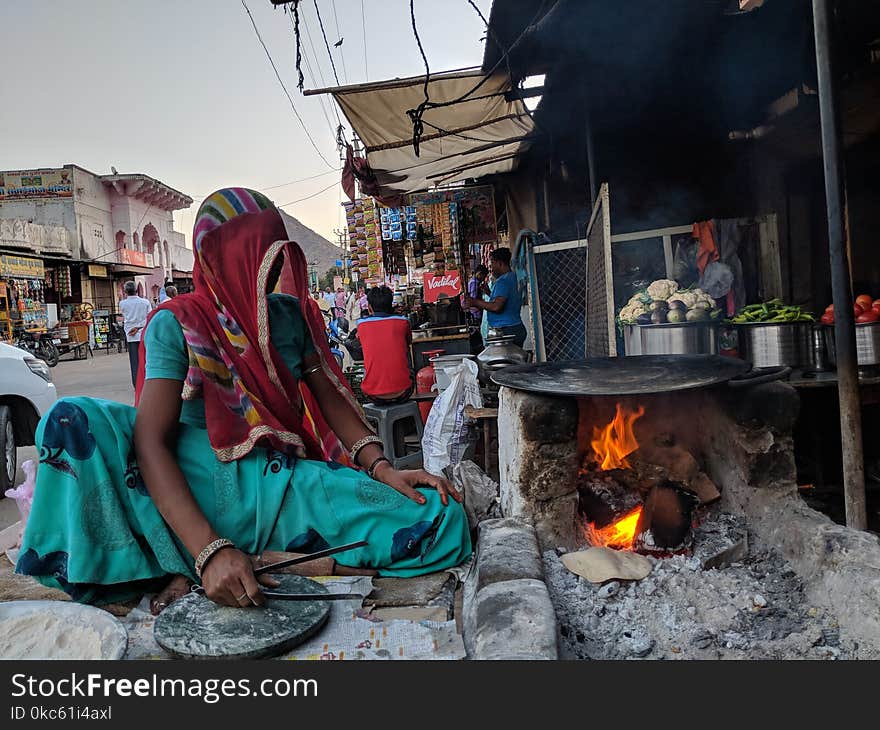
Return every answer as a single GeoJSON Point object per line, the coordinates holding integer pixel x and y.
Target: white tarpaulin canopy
{"type": "Point", "coordinates": [480, 135]}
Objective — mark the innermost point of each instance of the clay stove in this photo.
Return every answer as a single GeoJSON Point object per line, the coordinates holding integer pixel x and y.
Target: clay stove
{"type": "Point", "coordinates": [634, 471]}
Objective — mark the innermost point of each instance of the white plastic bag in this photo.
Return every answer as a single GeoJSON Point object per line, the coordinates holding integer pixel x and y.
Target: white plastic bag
{"type": "Point", "coordinates": [446, 432]}
{"type": "Point", "coordinates": [23, 494]}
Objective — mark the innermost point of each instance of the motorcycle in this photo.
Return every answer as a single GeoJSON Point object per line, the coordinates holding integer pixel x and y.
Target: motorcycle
{"type": "Point", "coordinates": [344, 346]}
{"type": "Point", "coordinates": [40, 344]}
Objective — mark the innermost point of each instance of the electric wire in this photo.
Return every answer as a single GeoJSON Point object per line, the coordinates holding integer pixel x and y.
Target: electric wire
{"type": "Point", "coordinates": [317, 63]}
{"type": "Point", "coordinates": [364, 30]}
{"type": "Point", "coordinates": [416, 114]}
{"type": "Point", "coordinates": [309, 197]}
{"type": "Point", "coordinates": [338, 33]}
{"type": "Point", "coordinates": [280, 81]}
{"type": "Point", "coordinates": [326, 44]}
{"type": "Point", "coordinates": [313, 78]}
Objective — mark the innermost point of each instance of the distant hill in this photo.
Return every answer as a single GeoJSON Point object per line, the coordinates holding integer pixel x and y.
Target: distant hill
{"type": "Point", "coordinates": [316, 247]}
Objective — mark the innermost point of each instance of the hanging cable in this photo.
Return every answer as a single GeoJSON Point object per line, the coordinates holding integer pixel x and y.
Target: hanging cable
{"type": "Point", "coordinates": [312, 83]}
{"type": "Point", "coordinates": [283, 185]}
{"type": "Point", "coordinates": [341, 52]}
{"type": "Point", "coordinates": [321, 23]}
{"type": "Point", "coordinates": [317, 63]}
{"type": "Point", "coordinates": [416, 114]}
{"type": "Point", "coordinates": [294, 18]}
{"type": "Point", "coordinates": [280, 81]}
{"type": "Point", "coordinates": [364, 29]}
{"type": "Point", "coordinates": [309, 197]}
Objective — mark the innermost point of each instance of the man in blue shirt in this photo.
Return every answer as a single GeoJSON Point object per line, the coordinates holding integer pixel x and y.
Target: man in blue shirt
{"type": "Point", "coordinates": [503, 310]}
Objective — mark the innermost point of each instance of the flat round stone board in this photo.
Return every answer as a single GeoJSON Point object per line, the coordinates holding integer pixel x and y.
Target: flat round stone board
{"type": "Point", "coordinates": [194, 627]}
{"type": "Point", "coordinates": [634, 375]}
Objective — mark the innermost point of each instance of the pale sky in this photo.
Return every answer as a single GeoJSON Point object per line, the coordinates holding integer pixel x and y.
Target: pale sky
{"type": "Point", "coordinates": [182, 90]}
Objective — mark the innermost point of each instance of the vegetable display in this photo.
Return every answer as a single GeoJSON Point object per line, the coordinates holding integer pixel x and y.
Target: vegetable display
{"type": "Point", "coordinates": [865, 310]}
{"type": "Point", "coordinates": [663, 302]}
{"type": "Point", "coordinates": [774, 311]}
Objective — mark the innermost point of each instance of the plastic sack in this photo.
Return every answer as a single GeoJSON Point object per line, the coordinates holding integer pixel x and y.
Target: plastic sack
{"type": "Point", "coordinates": [446, 432]}
{"type": "Point", "coordinates": [23, 494]}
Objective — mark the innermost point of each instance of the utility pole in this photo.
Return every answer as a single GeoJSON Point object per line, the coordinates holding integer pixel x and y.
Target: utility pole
{"type": "Point", "coordinates": [342, 239]}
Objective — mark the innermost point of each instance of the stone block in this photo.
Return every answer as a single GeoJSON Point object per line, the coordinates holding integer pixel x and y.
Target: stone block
{"type": "Point", "coordinates": [514, 619]}
{"type": "Point", "coordinates": [507, 550]}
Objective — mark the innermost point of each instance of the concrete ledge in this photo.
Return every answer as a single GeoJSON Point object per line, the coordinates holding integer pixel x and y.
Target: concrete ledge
{"type": "Point", "coordinates": [515, 618]}
{"type": "Point", "coordinates": [507, 611]}
{"type": "Point", "coordinates": [508, 550]}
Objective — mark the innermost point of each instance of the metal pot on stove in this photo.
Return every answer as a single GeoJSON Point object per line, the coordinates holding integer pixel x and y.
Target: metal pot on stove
{"type": "Point", "coordinates": [501, 352]}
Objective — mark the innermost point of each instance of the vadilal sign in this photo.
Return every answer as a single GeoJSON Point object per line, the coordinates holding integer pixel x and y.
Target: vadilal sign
{"type": "Point", "coordinates": [44, 183]}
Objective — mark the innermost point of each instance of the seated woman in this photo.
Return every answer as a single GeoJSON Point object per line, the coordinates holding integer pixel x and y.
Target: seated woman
{"type": "Point", "coordinates": [235, 447]}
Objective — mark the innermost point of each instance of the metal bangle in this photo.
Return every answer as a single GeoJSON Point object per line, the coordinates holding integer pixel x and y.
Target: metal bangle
{"type": "Point", "coordinates": [208, 552]}
{"type": "Point", "coordinates": [313, 369]}
{"type": "Point", "coordinates": [372, 468]}
{"type": "Point", "coordinates": [361, 443]}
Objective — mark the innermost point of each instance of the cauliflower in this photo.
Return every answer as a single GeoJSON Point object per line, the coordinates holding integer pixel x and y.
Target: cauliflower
{"type": "Point", "coordinates": [631, 312]}
{"type": "Point", "coordinates": [688, 297]}
{"type": "Point", "coordinates": [662, 289]}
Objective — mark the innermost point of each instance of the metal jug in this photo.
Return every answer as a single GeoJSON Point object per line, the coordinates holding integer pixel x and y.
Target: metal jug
{"type": "Point", "coordinates": [501, 351]}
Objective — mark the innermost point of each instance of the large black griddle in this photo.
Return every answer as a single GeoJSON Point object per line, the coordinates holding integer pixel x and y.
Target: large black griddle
{"type": "Point", "coordinates": [634, 375]}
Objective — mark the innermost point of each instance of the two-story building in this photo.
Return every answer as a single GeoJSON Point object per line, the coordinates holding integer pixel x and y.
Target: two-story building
{"type": "Point", "coordinates": [92, 232]}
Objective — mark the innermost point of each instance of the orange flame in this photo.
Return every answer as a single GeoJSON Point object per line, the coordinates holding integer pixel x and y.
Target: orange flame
{"type": "Point", "coordinates": [617, 440]}
{"type": "Point", "coordinates": [619, 536]}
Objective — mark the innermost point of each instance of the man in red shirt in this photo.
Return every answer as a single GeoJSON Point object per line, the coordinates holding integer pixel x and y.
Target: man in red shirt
{"type": "Point", "coordinates": [385, 338]}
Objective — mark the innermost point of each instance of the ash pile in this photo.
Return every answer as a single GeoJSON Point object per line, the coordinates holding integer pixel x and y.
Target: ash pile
{"type": "Point", "coordinates": [727, 599]}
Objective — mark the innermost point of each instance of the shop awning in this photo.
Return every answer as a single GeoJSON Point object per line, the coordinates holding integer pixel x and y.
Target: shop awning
{"type": "Point", "coordinates": [480, 134]}
{"type": "Point", "coordinates": [131, 269]}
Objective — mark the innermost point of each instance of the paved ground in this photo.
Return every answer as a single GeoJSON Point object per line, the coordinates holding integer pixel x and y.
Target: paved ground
{"type": "Point", "coordinates": [102, 376]}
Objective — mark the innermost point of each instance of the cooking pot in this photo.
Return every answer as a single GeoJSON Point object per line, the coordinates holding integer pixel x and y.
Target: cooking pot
{"type": "Point", "coordinates": [867, 344]}
{"type": "Point", "coordinates": [775, 344]}
{"type": "Point", "coordinates": [680, 338]}
{"type": "Point", "coordinates": [501, 352]}
{"type": "Point", "coordinates": [443, 366]}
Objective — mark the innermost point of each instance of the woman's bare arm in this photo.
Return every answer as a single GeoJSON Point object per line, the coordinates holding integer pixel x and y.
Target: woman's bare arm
{"type": "Point", "coordinates": [228, 577]}
{"type": "Point", "coordinates": [349, 428]}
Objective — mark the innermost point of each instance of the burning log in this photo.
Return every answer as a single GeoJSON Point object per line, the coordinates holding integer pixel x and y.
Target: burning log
{"type": "Point", "coordinates": [665, 522]}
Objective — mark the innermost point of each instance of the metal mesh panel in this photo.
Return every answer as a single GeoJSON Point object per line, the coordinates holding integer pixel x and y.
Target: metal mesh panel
{"type": "Point", "coordinates": [561, 280]}
{"type": "Point", "coordinates": [600, 302]}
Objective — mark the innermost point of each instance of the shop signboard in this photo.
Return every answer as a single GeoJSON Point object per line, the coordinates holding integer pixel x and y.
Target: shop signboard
{"type": "Point", "coordinates": [21, 267]}
{"type": "Point", "coordinates": [434, 285]}
{"type": "Point", "coordinates": [337, 282]}
{"type": "Point", "coordinates": [132, 257]}
{"type": "Point", "coordinates": [43, 183]}
{"type": "Point", "coordinates": [98, 272]}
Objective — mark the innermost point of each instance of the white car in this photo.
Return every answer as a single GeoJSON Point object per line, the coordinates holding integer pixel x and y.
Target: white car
{"type": "Point", "coordinates": [26, 393]}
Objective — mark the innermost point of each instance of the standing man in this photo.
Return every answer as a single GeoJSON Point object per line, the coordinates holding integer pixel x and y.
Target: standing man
{"type": "Point", "coordinates": [163, 291]}
{"type": "Point", "coordinates": [170, 291]}
{"type": "Point", "coordinates": [134, 318]}
{"type": "Point", "coordinates": [341, 301]}
{"type": "Point", "coordinates": [503, 310]}
{"type": "Point", "coordinates": [330, 298]}
{"type": "Point", "coordinates": [475, 289]}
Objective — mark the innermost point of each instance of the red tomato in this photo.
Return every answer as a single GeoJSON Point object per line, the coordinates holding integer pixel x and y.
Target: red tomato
{"type": "Point", "coordinates": [864, 301]}
{"type": "Point", "coordinates": [876, 305]}
{"type": "Point", "coordinates": [857, 309]}
{"type": "Point", "coordinates": [827, 318]}
{"type": "Point", "coordinates": [869, 316]}
{"type": "Point", "coordinates": [829, 308]}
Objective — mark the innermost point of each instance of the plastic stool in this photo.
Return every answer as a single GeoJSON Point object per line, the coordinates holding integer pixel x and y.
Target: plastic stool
{"type": "Point", "coordinates": [392, 424]}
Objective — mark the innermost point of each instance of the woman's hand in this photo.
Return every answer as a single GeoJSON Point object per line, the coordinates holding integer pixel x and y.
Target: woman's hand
{"type": "Point", "coordinates": [406, 481]}
{"type": "Point", "coordinates": [228, 579]}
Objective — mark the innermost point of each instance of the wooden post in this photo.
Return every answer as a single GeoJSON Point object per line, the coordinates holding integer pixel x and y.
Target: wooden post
{"type": "Point", "coordinates": [841, 280]}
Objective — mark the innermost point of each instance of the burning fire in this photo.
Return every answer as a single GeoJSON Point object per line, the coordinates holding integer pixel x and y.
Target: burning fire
{"type": "Point", "coordinates": [619, 535]}
{"type": "Point", "coordinates": [616, 441]}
